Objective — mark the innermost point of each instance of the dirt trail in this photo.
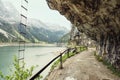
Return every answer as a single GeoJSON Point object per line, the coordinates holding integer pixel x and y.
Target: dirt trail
{"type": "Point", "coordinates": [82, 66]}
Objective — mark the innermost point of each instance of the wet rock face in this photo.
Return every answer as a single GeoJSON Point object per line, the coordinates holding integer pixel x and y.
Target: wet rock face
{"type": "Point", "coordinates": [98, 19]}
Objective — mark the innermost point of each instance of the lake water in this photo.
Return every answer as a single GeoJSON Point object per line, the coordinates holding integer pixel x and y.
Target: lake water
{"type": "Point", "coordinates": [34, 55]}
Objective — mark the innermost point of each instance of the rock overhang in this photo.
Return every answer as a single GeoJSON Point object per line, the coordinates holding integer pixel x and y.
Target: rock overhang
{"type": "Point", "coordinates": [99, 20]}
{"type": "Point", "coordinates": [93, 17]}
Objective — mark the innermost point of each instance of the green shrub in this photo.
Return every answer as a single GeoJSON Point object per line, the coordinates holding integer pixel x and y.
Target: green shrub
{"type": "Point", "coordinates": [20, 73]}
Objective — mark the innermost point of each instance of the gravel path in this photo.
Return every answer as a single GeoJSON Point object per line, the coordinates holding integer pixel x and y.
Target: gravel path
{"type": "Point", "coordinates": [82, 66]}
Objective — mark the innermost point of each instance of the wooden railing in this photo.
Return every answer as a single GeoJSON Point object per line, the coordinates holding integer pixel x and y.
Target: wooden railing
{"type": "Point", "coordinates": [59, 56]}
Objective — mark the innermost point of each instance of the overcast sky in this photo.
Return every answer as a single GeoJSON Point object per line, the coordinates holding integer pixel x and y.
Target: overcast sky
{"type": "Point", "coordinates": [39, 9]}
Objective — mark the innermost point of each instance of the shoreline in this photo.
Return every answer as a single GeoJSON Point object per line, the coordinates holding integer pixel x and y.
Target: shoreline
{"type": "Point", "coordinates": [27, 44]}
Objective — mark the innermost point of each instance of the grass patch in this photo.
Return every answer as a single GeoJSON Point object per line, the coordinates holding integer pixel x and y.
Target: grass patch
{"type": "Point", "coordinates": [112, 68]}
{"type": "Point", "coordinates": [98, 57]}
{"type": "Point", "coordinates": [65, 56]}
{"type": "Point", "coordinates": [109, 66]}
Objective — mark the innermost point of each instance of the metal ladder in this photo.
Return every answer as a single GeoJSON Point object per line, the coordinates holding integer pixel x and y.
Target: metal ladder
{"type": "Point", "coordinates": [22, 31]}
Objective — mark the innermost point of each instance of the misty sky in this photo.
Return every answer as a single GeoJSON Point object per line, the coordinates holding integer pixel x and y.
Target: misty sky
{"type": "Point", "coordinates": [39, 9]}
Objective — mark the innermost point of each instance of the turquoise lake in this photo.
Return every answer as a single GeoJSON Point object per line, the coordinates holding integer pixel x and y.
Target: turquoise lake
{"type": "Point", "coordinates": [34, 55]}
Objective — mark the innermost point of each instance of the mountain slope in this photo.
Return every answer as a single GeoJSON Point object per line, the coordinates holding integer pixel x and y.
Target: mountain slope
{"type": "Point", "coordinates": [44, 32]}
{"type": "Point", "coordinates": [65, 38]}
{"type": "Point", "coordinates": [36, 30]}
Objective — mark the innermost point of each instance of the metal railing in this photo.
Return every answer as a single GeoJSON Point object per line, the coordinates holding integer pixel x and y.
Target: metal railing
{"type": "Point", "coordinates": [61, 62]}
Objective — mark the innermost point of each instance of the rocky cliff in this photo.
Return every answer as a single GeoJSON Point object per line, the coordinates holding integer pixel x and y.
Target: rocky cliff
{"type": "Point", "coordinates": [99, 20]}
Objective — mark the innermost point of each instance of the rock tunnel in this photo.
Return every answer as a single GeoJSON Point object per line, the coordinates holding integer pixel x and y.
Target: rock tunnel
{"type": "Point", "coordinates": [99, 20]}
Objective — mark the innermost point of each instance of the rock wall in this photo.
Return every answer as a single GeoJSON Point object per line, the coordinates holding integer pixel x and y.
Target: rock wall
{"type": "Point", "coordinates": [98, 19]}
{"type": "Point", "coordinates": [79, 39]}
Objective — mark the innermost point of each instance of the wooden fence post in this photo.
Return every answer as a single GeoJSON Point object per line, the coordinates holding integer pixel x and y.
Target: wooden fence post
{"type": "Point", "coordinates": [75, 50]}
{"type": "Point", "coordinates": [68, 52]}
{"type": "Point", "coordinates": [61, 65]}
